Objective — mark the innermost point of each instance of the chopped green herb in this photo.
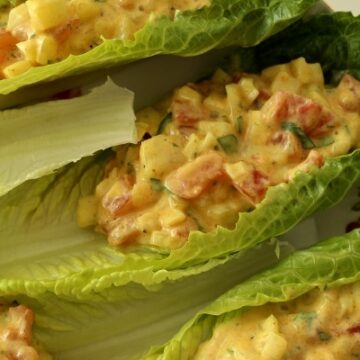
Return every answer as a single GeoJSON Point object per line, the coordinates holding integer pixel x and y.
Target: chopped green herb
{"type": "Point", "coordinates": [324, 336]}
{"type": "Point", "coordinates": [325, 141]}
{"type": "Point", "coordinates": [229, 143]}
{"type": "Point", "coordinates": [356, 356]}
{"type": "Point", "coordinates": [240, 124]}
{"type": "Point", "coordinates": [306, 142]}
{"type": "Point", "coordinates": [164, 122]}
{"type": "Point", "coordinates": [156, 185]}
{"type": "Point", "coordinates": [307, 317]}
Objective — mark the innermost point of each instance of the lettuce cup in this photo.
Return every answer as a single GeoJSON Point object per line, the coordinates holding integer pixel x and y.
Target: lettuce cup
{"type": "Point", "coordinates": [305, 307]}
{"type": "Point", "coordinates": [316, 131]}
{"type": "Point", "coordinates": [243, 158]}
{"type": "Point", "coordinates": [44, 40]}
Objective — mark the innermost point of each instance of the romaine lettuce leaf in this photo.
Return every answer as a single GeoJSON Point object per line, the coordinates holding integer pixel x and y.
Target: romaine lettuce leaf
{"type": "Point", "coordinates": [333, 40]}
{"type": "Point", "coordinates": [38, 139]}
{"type": "Point", "coordinates": [223, 23]}
{"type": "Point", "coordinates": [333, 262]}
{"type": "Point", "coordinates": [51, 253]}
{"type": "Point", "coordinates": [123, 322]}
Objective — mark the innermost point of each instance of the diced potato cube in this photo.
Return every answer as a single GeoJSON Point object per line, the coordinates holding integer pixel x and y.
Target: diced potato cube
{"type": "Point", "coordinates": [164, 240]}
{"type": "Point", "coordinates": [216, 103]}
{"type": "Point", "coordinates": [191, 149]}
{"type": "Point", "coordinates": [148, 222]}
{"type": "Point", "coordinates": [270, 324]}
{"type": "Point", "coordinates": [189, 94]}
{"type": "Point", "coordinates": [283, 81]}
{"type": "Point", "coordinates": [271, 72]}
{"type": "Point", "coordinates": [249, 92]}
{"type": "Point", "coordinates": [197, 145]}
{"type": "Point", "coordinates": [46, 14]}
{"type": "Point", "coordinates": [159, 155]}
{"type": "Point", "coordinates": [86, 211]}
{"type": "Point", "coordinates": [216, 128]}
{"type": "Point", "coordinates": [18, 16]}
{"type": "Point", "coordinates": [103, 187]}
{"type": "Point", "coordinates": [221, 77]}
{"type": "Point", "coordinates": [257, 131]}
{"type": "Point", "coordinates": [274, 347]}
{"type": "Point", "coordinates": [171, 217]}
{"type": "Point", "coordinates": [234, 102]}
{"type": "Point", "coordinates": [142, 193]}
{"type": "Point", "coordinates": [46, 49]}
{"type": "Point", "coordinates": [28, 49]}
{"type": "Point", "coordinates": [85, 9]}
{"type": "Point", "coordinates": [307, 73]}
{"type": "Point", "coordinates": [17, 68]}
{"type": "Point", "coordinates": [238, 171]}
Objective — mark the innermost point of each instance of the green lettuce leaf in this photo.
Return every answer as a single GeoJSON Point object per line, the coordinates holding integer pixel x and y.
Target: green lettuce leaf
{"type": "Point", "coordinates": [51, 253]}
{"type": "Point", "coordinates": [331, 263]}
{"type": "Point", "coordinates": [38, 139]}
{"type": "Point", "coordinates": [123, 322]}
{"type": "Point", "coordinates": [223, 23]}
{"type": "Point", "coordinates": [333, 40]}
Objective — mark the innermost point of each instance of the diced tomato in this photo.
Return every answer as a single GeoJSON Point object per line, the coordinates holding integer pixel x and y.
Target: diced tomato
{"type": "Point", "coordinates": [124, 231]}
{"type": "Point", "coordinates": [182, 230]}
{"type": "Point", "coordinates": [312, 117]}
{"type": "Point", "coordinates": [185, 113]}
{"type": "Point", "coordinates": [22, 317]}
{"type": "Point", "coordinates": [63, 32]}
{"type": "Point", "coordinates": [255, 187]}
{"type": "Point", "coordinates": [191, 179]}
{"type": "Point", "coordinates": [119, 203]}
{"type": "Point", "coordinates": [248, 180]}
{"type": "Point", "coordinates": [7, 44]}
{"type": "Point", "coordinates": [7, 40]}
{"type": "Point", "coordinates": [354, 329]}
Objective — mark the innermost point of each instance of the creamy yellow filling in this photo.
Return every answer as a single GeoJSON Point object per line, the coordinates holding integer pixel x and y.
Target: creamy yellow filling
{"type": "Point", "coordinates": [320, 325]}
{"type": "Point", "coordinates": [212, 149]}
{"type": "Point", "coordinates": [16, 341]}
{"type": "Point", "coordinates": [39, 32]}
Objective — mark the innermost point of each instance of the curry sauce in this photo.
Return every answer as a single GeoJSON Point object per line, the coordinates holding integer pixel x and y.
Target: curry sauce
{"type": "Point", "coordinates": [320, 325]}
{"type": "Point", "coordinates": [40, 32]}
{"type": "Point", "coordinates": [212, 149]}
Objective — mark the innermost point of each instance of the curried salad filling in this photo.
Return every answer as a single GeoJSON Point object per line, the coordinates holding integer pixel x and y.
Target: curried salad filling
{"type": "Point", "coordinates": [40, 32]}
{"type": "Point", "coordinates": [320, 325]}
{"type": "Point", "coordinates": [16, 335]}
{"type": "Point", "coordinates": [212, 150]}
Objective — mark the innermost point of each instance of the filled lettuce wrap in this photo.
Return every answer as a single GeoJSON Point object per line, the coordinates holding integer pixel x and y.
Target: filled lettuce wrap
{"type": "Point", "coordinates": [124, 322]}
{"type": "Point", "coordinates": [306, 306]}
{"type": "Point", "coordinates": [44, 40]}
{"type": "Point", "coordinates": [39, 220]}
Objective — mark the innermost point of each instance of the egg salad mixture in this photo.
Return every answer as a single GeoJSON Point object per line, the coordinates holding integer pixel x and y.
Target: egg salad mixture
{"type": "Point", "coordinates": [15, 335]}
{"type": "Point", "coordinates": [213, 149]}
{"type": "Point", "coordinates": [320, 325]}
{"type": "Point", "coordinates": [39, 32]}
